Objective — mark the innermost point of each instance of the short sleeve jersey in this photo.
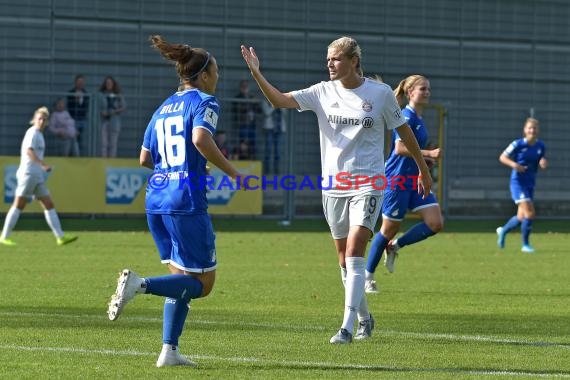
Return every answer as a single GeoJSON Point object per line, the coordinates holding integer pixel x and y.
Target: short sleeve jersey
{"type": "Point", "coordinates": [398, 165]}
{"type": "Point", "coordinates": [33, 139]}
{"type": "Point", "coordinates": [351, 127]}
{"type": "Point", "coordinates": [175, 187]}
{"type": "Point", "coordinates": [526, 155]}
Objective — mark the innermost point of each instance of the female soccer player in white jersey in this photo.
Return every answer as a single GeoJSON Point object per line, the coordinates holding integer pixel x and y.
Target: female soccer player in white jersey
{"type": "Point", "coordinates": [352, 112]}
{"type": "Point", "coordinates": [401, 196]}
{"type": "Point", "coordinates": [177, 144]}
{"type": "Point", "coordinates": [31, 181]}
{"type": "Point", "coordinates": [524, 156]}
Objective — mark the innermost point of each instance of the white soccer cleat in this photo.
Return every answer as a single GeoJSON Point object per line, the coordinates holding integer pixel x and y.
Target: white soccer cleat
{"type": "Point", "coordinates": [391, 255]}
{"type": "Point", "coordinates": [127, 285]}
{"type": "Point", "coordinates": [500, 237]}
{"type": "Point", "coordinates": [365, 328]}
{"type": "Point", "coordinates": [170, 356]}
{"type": "Point", "coordinates": [342, 337]}
{"type": "Point", "coordinates": [370, 287]}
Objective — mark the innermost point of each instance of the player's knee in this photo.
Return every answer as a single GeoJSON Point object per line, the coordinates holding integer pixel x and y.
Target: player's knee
{"type": "Point", "coordinates": [435, 225]}
{"type": "Point", "coordinates": [208, 280]}
{"type": "Point", "coordinates": [207, 288]}
{"type": "Point", "coordinates": [390, 231]}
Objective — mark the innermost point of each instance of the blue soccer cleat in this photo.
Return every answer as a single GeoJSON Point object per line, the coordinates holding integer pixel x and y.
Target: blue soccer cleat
{"type": "Point", "coordinates": [526, 248]}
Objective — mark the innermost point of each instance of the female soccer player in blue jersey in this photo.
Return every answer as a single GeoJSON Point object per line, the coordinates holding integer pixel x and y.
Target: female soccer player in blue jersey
{"type": "Point", "coordinates": [352, 112]}
{"type": "Point", "coordinates": [401, 196]}
{"type": "Point", "coordinates": [524, 156]}
{"type": "Point", "coordinates": [177, 144]}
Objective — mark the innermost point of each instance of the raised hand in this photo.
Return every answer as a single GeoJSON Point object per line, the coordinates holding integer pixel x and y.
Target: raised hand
{"type": "Point", "coordinates": [250, 58]}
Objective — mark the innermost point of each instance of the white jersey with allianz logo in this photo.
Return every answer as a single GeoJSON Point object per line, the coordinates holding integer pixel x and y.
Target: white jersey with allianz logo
{"type": "Point", "coordinates": [351, 128]}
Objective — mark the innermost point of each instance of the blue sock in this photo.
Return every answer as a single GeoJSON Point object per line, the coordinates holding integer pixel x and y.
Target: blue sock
{"type": "Point", "coordinates": [175, 312]}
{"type": "Point", "coordinates": [526, 228]}
{"type": "Point", "coordinates": [178, 286]}
{"type": "Point", "coordinates": [417, 233]}
{"type": "Point", "coordinates": [377, 247]}
{"type": "Point", "coordinates": [511, 224]}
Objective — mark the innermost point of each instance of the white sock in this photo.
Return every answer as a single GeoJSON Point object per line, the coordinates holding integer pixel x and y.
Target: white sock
{"type": "Point", "coordinates": [369, 276]}
{"type": "Point", "coordinates": [354, 291]}
{"type": "Point", "coordinates": [10, 222]}
{"type": "Point", "coordinates": [363, 313]}
{"type": "Point", "coordinates": [343, 275]}
{"type": "Point", "coordinates": [53, 222]}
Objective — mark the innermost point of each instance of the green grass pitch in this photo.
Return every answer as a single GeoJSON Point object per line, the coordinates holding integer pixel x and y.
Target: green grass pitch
{"type": "Point", "coordinates": [456, 307]}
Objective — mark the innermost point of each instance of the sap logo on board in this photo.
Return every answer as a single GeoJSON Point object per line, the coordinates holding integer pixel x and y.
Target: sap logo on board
{"type": "Point", "coordinates": [122, 185]}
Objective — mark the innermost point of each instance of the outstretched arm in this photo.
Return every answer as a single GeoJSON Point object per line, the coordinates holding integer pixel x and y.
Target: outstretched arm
{"type": "Point", "coordinates": [275, 97]}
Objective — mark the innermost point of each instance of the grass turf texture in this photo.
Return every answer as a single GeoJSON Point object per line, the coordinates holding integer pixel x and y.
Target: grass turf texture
{"type": "Point", "coordinates": [456, 306]}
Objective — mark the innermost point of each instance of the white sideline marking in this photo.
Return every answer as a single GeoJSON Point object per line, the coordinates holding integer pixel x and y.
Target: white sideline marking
{"type": "Point", "coordinates": [297, 364]}
{"type": "Point", "coordinates": [449, 337]}
{"type": "Point", "coordinates": [440, 336]}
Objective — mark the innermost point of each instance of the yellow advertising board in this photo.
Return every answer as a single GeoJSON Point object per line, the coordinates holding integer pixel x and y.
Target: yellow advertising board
{"type": "Point", "coordinates": [117, 186]}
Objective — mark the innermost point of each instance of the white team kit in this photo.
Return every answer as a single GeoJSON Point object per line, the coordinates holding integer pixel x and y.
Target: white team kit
{"type": "Point", "coordinates": [351, 127]}
{"type": "Point", "coordinates": [30, 174]}
{"type": "Point", "coordinates": [351, 124]}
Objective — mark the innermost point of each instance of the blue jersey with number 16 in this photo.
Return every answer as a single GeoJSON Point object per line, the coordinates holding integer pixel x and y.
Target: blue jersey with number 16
{"type": "Point", "coordinates": [177, 184]}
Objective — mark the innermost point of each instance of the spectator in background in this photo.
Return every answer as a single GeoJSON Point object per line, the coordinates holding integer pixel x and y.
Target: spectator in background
{"type": "Point", "coordinates": [78, 107]}
{"type": "Point", "coordinates": [524, 156]}
{"type": "Point", "coordinates": [62, 125]}
{"type": "Point", "coordinates": [242, 151]}
{"type": "Point", "coordinates": [221, 139]}
{"type": "Point", "coordinates": [31, 177]}
{"type": "Point", "coordinates": [245, 110]}
{"type": "Point", "coordinates": [112, 104]}
{"type": "Point", "coordinates": [274, 124]}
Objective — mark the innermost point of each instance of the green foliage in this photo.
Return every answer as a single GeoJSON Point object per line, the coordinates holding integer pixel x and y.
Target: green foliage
{"type": "Point", "coordinates": [456, 307]}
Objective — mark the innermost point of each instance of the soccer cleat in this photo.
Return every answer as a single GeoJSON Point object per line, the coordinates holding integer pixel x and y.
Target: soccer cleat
{"type": "Point", "coordinates": [391, 255]}
{"type": "Point", "coordinates": [526, 248]}
{"type": "Point", "coordinates": [342, 337]}
{"type": "Point", "coordinates": [370, 287]}
{"type": "Point", "coordinates": [127, 286]}
{"type": "Point", "coordinates": [66, 239]}
{"type": "Point", "coordinates": [501, 237]}
{"type": "Point", "coordinates": [170, 356]}
{"type": "Point", "coordinates": [8, 242]}
{"type": "Point", "coordinates": [365, 328]}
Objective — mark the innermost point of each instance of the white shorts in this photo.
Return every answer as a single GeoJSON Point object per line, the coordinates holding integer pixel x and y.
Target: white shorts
{"type": "Point", "coordinates": [29, 186]}
{"type": "Point", "coordinates": [342, 213]}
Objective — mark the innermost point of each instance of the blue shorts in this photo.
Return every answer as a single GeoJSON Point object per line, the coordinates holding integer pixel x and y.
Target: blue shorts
{"type": "Point", "coordinates": [397, 203]}
{"type": "Point", "coordinates": [521, 193]}
{"type": "Point", "coordinates": [186, 242]}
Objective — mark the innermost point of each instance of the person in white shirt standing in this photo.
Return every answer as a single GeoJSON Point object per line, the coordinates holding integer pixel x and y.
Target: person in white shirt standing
{"type": "Point", "coordinates": [352, 112]}
{"type": "Point", "coordinates": [62, 125]}
{"type": "Point", "coordinates": [31, 182]}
